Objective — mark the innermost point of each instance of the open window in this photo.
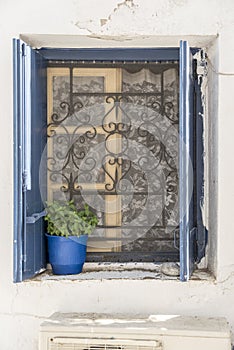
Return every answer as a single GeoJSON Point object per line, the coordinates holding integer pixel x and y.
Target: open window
{"type": "Point", "coordinates": [117, 129]}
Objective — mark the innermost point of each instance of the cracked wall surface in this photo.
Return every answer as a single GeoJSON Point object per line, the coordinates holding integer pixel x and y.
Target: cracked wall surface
{"type": "Point", "coordinates": [159, 23]}
{"type": "Point", "coordinates": [133, 17]}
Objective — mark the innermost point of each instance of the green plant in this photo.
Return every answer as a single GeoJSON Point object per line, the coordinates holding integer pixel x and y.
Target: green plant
{"type": "Point", "coordinates": [63, 219]}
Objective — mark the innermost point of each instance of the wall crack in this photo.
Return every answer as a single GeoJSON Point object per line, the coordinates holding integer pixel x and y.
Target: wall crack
{"type": "Point", "coordinates": [91, 26]}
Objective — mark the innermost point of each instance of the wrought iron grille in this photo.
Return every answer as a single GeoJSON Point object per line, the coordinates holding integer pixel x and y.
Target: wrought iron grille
{"type": "Point", "coordinates": [113, 142]}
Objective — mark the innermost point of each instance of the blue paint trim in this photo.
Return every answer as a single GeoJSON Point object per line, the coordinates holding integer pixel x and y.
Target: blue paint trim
{"type": "Point", "coordinates": [18, 199]}
{"type": "Point", "coordinates": [29, 245]}
{"type": "Point", "coordinates": [34, 240]}
{"type": "Point", "coordinates": [182, 133]}
{"type": "Point", "coordinates": [187, 232]}
{"type": "Point", "coordinates": [107, 54]}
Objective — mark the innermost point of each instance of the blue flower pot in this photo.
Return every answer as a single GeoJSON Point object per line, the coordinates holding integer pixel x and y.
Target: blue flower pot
{"type": "Point", "coordinates": [67, 255]}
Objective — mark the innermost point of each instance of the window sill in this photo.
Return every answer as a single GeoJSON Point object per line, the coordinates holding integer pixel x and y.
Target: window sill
{"type": "Point", "coordinates": [126, 271]}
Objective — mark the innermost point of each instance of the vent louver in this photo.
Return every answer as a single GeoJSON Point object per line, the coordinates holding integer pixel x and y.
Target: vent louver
{"type": "Point", "coordinates": [69, 343]}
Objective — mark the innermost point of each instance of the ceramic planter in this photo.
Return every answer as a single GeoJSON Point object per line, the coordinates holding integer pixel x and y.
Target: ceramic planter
{"type": "Point", "coordinates": [67, 255]}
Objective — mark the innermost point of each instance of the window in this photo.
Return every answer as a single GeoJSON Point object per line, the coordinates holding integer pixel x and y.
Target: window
{"type": "Point", "coordinates": [119, 129]}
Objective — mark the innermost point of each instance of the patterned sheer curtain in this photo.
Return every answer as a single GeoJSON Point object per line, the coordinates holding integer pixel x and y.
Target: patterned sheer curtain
{"type": "Point", "coordinates": [141, 116]}
{"type": "Point", "coordinates": [153, 112]}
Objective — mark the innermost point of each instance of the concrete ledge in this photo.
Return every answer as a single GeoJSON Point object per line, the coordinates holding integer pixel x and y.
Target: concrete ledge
{"type": "Point", "coordinates": [127, 271]}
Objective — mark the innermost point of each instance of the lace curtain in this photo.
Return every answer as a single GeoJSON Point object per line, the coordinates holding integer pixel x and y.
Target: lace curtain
{"type": "Point", "coordinates": [145, 114]}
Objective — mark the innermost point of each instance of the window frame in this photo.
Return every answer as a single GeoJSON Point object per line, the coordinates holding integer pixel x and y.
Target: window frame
{"type": "Point", "coordinates": [126, 54]}
{"type": "Point", "coordinates": [62, 68]}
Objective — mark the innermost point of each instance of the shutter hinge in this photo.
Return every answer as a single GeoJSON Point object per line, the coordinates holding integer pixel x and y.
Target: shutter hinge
{"type": "Point", "coordinates": [35, 217]}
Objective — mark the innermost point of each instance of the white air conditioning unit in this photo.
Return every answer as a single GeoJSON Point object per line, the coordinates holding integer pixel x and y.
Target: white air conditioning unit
{"type": "Point", "coordinates": [156, 332]}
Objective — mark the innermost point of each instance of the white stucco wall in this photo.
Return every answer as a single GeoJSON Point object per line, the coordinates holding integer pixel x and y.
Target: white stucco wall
{"type": "Point", "coordinates": [24, 306]}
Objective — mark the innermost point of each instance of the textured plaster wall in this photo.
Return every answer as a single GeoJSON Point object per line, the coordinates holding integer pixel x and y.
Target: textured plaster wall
{"type": "Point", "coordinates": [23, 306]}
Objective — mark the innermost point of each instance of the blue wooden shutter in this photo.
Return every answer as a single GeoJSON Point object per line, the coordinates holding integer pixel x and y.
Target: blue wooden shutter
{"type": "Point", "coordinates": [186, 173]}
{"type": "Point", "coordinates": [29, 144]}
{"type": "Point", "coordinates": [202, 232]}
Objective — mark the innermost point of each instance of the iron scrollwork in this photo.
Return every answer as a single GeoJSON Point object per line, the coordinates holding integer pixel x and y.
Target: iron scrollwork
{"type": "Point", "coordinates": [137, 115]}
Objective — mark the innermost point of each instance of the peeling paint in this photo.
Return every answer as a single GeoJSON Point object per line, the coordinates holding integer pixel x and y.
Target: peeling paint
{"type": "Point", "coordinates": [121, 38]}
{"type": "Point", "coordinates": [103, 21]}
{"type": "Point", "coordinates": [202, 81]}
{"type": "Point", "coordinates": [88, 25]}
{"type": "Point", "coordinates": [129, 12]}
{"type": "Point", "coordinates": [94, 26]}
{"type": "Point", "coordinates": [126, 3]}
